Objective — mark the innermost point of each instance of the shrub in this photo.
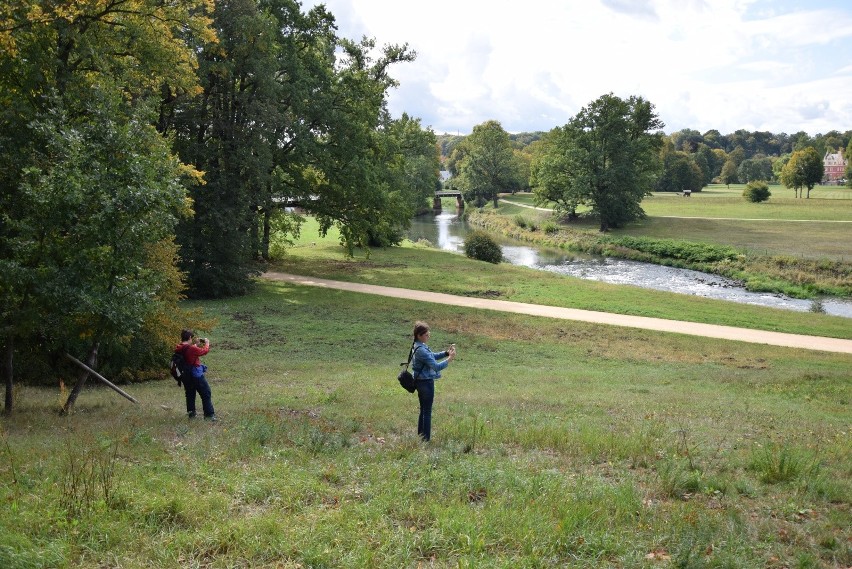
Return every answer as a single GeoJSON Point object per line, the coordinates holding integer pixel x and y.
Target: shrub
{"type": "Point", "coordinates": [480, 246]}
{"type": "Point", "coordinates": [756, 191]}
{"type": "Point", "coordinates": [688, 251]}
{"type": "Point", "coordinates": [521, 221]}
{"type": "Point", "coordinates": [550, 227]}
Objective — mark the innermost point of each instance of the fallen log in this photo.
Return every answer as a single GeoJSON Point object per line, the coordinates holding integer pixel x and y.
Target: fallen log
{"type": "Point", "coordinates": [104, 380]}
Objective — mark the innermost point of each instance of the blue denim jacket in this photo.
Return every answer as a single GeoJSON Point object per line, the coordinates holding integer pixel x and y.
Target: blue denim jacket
{"type": "Point", "coordinates": [424, 363]}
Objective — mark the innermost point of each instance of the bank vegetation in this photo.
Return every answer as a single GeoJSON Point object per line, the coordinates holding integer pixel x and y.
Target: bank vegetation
{"type": "Point", "coordinates": [783, 274]}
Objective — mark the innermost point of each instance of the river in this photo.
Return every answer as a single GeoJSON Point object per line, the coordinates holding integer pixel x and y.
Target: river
{"type": "Point", "coordinates": [447, 231]}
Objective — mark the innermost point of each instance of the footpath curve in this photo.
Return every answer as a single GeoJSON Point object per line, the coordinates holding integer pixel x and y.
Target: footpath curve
{"type": "Point", "coordinates": [819, 343]}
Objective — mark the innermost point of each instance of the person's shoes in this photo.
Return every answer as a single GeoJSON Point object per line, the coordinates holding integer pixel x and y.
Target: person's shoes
{"type": "Point", "coordinates": [190, 415]}
{"type": "Point", "coordinates": [211, 418]}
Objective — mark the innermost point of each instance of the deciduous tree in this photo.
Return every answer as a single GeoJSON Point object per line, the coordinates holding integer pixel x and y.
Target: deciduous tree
{"type": "Point", "coordinates": [549, 173]}
{"type": "Point", "coordinates": [89, 185]}
{"type": "Point", "coordinates": [705, 158]}
{"type": "Point", "coordinates": [729, 173]}
{"type": "Point", "coordinates": [353, 192]}
{"type": "Point", "coordinates": [804, 170]}
{"type": "Point", "coordinates": [680, 173]}
{"type": "Point", "coordinates": [489, 167]}
{"type": "Point", "coordinates": [753, 169]}
{"type": "Point", "coordinates": [290, 112]}
{"type": "Point", "coordinates": [606, 157]}
{"type": "Point", "coordinates": [413, 161]}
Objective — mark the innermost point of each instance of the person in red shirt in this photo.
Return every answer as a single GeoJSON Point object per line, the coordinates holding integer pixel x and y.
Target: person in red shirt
{"type": "Point", "coordinates": [196, 382]}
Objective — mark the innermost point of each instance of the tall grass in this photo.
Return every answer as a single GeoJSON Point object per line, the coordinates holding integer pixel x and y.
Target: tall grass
{"type": "Point", "coordinates": [782, 463]}
{"type": "Point", "coordinates": [554, 445]}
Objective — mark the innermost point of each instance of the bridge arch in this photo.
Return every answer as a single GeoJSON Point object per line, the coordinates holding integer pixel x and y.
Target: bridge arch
{"type": "Point", "coordinates": [436, 205]}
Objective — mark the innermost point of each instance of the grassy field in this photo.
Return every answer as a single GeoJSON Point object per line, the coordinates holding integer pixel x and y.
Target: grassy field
{"type": "Point", "coordinates": [433, 270]}
{"type": "Point", "coordinates": [827, 203]}
{"type": "Point", "coordinates": [819, 227]}
{"type": "Point", "coordinates": [555, 444]}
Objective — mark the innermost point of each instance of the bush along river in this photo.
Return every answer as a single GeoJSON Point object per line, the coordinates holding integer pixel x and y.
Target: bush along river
{"type": "Point", "coordinates": [447, 231]}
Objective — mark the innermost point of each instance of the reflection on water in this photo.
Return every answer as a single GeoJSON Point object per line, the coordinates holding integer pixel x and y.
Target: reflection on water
{"type": "Point", "coordinates": [448, 232]}
{"type": "Point", "coordinates": [444, 230]}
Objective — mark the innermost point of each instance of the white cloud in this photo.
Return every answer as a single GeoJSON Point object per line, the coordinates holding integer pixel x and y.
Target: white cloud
{"type": "Point", "coordinates": [640, 8]}
{"type": "Point", "coordinates": [725, 64]}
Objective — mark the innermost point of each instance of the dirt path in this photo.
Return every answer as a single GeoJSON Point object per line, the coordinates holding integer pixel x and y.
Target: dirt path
{"type": "Point", "coordinates": [659, 324]}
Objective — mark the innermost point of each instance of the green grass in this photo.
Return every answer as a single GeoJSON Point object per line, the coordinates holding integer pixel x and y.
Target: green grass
{"type": "Point", "coordinates": [423, 268]}
{"type": "Point", "coordinates": [827, 203]}
{"type": "Point", "coordinates": [555, 444]}
{"type": "Point", "coordinates": [813, 240]}
{"type": "Point", "coordinates": [833, 204]}
{"type": "Point", "coordinates": [807, 228]}
{"type": "Point", "coordinates": [767, 255]}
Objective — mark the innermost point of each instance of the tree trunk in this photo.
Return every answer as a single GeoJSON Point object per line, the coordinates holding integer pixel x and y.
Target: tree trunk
{"type": "Point", "coordinates": [496, 199]}
{"type": "Point", "coordinates": [267, 230]}
{"type": "Point", "coordinates": [254, 236]}
{"type": "Point", "coordinates": [103, 380]}
{"type": "Point", "coordinates": [81, 380]}
{"type": "Point", "coordinates": [8, 355]}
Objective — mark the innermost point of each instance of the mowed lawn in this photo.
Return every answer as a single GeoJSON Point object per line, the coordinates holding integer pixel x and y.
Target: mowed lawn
{"type": "Point", "coordinates": [819, 227]}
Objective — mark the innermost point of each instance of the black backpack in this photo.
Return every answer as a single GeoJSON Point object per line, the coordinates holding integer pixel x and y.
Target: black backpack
{"type": "Point", "coordinates": [406, 380]}
{"type": "Point", "coordinates": [178, 367]}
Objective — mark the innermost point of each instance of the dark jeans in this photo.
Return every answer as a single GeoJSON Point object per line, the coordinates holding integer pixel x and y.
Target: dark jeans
{"type": "Point", "coordinates": [198, 385]}
{"type": "Point", "coordinates": [426, 394]}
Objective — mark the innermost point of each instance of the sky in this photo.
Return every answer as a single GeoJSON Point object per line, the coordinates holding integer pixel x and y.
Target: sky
{"type": "Point", "coordinates": [768, 65]}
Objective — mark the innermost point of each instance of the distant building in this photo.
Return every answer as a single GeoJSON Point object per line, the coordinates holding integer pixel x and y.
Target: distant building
{"type": "Point", "coordinates": [835, 165]}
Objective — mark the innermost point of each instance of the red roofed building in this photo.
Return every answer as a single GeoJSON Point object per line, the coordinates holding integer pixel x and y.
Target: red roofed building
{"type": "Point", "coordinates": [835, 165]}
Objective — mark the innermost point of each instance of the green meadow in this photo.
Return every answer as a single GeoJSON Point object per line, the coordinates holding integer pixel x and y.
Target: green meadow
{"type": "Point", "coordinates": [555, 443]}
{"type": "Point", "coordinates": [815, 228]}
{"type": "Point", "coordinates": [827, 203]}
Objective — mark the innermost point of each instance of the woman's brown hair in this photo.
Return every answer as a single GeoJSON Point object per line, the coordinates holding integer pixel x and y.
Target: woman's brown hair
{"type": "Point", "coordinates": [420, 328]}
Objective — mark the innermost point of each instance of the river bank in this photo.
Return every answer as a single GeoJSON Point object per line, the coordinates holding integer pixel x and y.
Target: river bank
{"type": "Point", "coordinates": [424, 266]}
{"type": "Point", "coordinates": [794, 277]}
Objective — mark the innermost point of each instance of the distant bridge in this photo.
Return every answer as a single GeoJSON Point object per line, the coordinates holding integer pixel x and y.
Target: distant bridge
{"type": "Point", "coordinates": [436, 205]}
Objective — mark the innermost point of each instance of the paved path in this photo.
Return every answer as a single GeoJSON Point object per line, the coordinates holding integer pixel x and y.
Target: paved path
{"type": "Point", "coordinates": [691, 328]}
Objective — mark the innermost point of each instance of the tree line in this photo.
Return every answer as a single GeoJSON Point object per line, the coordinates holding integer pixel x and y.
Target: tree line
{"type": "Point", "coordinates": [606, 157]}
{"type": "Point", "coordinates": [149, 150]}
{"type": "Point", "coordinates": [614, 152]}
{"type": "Point", "coordinates": [752, 143]}
{"type": "Point", "coordinates": [690, 160]}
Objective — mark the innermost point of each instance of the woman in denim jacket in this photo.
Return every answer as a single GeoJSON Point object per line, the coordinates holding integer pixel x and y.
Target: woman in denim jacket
{"type": "Point", "coordinates": [426, 369]}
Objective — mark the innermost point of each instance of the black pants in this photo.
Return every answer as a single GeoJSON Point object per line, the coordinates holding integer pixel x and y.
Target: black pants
{"type": "Point", "coordinates": [426, 394]}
